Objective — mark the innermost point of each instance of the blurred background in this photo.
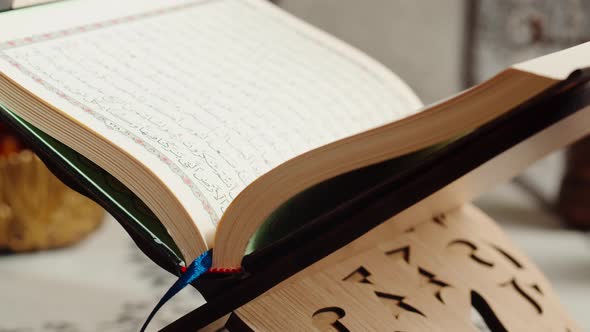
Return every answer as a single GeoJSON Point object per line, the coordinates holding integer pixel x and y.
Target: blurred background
{"type": "Point", "coordinates": [442, 47]}
{"type": "Point", "coordinates": [438, 48]}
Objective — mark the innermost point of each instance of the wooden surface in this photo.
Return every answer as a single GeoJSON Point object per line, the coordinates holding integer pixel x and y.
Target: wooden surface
{"type": "Point", "coordinates": [429, 277]}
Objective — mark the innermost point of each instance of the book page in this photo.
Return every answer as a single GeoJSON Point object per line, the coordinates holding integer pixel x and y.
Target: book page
{"type": "Point", "coordinates": [558, 65]}
{"type": "Point", "coordinates": [209, 94]}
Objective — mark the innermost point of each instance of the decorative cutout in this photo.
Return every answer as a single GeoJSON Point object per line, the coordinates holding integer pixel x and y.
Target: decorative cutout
{"type": "Point", "coordinates": [485, 311]}
{"type": "Point", "coordinates": [410, 230]}
{"type": "Point", "coordinates": [458, 274]}
{"type": "Point", "coordinates": [328, 319]}
{"type": "Point", "coordinates": [522, 293]}
{"type": "Point", "coordinates": [537, 288]}
{"type": "Point", "coordinates": [359, 275]}
{"type": "Point", "coordinates": [472, 254]}
{"type": "Point", "coordinates": [404, 252]}
{"type": "Point", "coordinates": [396, 302]}
{"type": "Point", "coordinates": [392, 301]}
{"type": "Point", "coordinates": [440, 220]}
{"type": "Point", "coordinates": [509, 257]}
{"type": "Point", "coordinates": [431, 279]}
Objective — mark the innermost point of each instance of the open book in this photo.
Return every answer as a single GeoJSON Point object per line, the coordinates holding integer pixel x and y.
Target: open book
{"type": "Point", "coordinates": [229, 124]}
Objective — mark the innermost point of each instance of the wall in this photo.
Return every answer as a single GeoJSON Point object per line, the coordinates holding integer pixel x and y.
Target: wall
{"type": "Point", "coordinates": [420, 40]}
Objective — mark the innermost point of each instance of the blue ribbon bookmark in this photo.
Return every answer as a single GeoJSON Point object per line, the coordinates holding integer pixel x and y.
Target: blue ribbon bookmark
{"type": "Point", "coordinates": [197, 268]}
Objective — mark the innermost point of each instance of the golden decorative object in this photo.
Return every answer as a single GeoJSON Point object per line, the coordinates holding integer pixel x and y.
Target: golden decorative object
{"type": "Point", "coordinates": [37, 211]}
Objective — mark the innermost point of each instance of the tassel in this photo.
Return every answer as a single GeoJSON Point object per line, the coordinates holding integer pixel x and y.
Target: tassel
{"type": "Point", "coordinates": [197, 268]}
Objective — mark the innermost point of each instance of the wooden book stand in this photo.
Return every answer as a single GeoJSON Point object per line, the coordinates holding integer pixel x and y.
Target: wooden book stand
{"type": "Point", "coordinates": [455, 272]}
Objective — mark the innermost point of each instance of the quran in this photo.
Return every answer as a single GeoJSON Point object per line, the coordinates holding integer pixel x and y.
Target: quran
{"type": "Point", "coordinates": [232, 126]}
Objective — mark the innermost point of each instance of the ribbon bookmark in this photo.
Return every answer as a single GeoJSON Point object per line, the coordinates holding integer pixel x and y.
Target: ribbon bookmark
{"type": "Point", "coordinates": [197, 268]}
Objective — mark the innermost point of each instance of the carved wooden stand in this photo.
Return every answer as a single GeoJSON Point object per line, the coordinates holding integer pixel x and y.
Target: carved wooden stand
{"type": "Point", "coordinates": [444, 274]}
